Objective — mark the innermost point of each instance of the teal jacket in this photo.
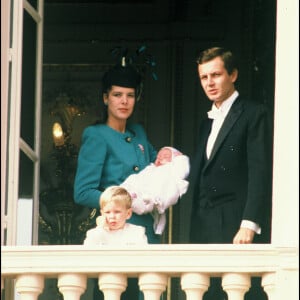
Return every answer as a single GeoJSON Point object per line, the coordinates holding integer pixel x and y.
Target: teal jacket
{"type": "Point", "coordinates": [107, 157]}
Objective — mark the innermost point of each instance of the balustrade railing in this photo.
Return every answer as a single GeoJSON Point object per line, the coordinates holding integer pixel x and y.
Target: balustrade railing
{"type": "Point", "coordinates": [153, 265]}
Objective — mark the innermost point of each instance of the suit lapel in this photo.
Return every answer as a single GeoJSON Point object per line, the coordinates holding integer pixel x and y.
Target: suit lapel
{"type": "Point", "coordinates": [229, 121]}
{"type": "Point", "coordinates": [204, 138]}
{"type": "Point", "coordinates": [200, 151]}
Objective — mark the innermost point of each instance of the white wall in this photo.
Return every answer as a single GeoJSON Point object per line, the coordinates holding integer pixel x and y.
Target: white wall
{"type": "Point", "coordinates": [285, 219]}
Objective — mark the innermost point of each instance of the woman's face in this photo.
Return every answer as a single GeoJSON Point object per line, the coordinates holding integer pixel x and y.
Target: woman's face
{"type": "Point", "coordinates": [120, 102]}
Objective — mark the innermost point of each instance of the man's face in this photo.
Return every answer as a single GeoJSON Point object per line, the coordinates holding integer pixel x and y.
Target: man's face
{"type": "Point", "coordinates": [218, 85]}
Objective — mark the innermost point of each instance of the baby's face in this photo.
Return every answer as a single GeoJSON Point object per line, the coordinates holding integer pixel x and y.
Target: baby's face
{"type": "Point", "coordinates": [163, 156]}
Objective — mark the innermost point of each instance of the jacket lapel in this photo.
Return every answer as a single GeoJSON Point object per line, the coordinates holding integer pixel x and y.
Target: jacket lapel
{"type": "Point", "coordinates": [200, 152]}
{"type": "Point", "coordinates": [229, 121]}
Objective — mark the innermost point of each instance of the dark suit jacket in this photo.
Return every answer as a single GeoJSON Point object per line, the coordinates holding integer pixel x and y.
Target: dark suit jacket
{"type": "Point", "coordinates": [237, 172]}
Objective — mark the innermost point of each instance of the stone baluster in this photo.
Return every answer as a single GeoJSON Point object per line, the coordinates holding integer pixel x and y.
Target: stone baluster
{"type": "Point", "coordinates": [71, 285]}
{"type": "Point", "coordinates": [112, 285]}
{"type": "Point", "coordinates": [236, 285]}
{"type": "Point", "coordinates": [29, 286]}
{"type": "Point", "coordinates": [194, 285]}
{"type": "Point", "coordinates": [152, 285]}
{"type": "Point", "coordinates": [268, 282]}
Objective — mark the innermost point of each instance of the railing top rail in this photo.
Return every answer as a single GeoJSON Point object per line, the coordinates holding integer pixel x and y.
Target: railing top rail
{"type": "Point", "coordinates": [173, 259]}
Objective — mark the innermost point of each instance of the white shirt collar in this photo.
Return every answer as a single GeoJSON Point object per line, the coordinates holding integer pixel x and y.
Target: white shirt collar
{"type": "Point", "coordinates": [226, 105]}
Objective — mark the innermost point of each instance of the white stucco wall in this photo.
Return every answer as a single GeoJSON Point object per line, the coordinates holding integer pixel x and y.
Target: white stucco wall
{"type": "Point", "coordinates": [285, 219]}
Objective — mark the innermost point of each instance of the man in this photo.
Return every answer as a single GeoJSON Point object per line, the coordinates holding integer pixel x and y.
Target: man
{"type": "Point", "coordinates": [230, 176]}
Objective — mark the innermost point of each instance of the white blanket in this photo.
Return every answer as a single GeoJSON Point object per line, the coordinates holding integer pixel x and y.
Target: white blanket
{"type": "Point", "coordinates": [155, 189]}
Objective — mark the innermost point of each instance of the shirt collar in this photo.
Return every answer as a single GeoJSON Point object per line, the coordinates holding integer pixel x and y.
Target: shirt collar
{"type": "Point", "coordinates": [226, 105]}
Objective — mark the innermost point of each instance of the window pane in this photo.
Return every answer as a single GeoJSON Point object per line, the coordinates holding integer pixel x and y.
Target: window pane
{"type": "Point", "coordinates": [33, 3]}
{"type": "Point", "coordinates": [25, 202]}
{"type": "Point", "coordinates": [28, 81]}
{"type": "Point", "coordinates": [24, 222]}
{"type": "Point", "coordinates": [25, 177]}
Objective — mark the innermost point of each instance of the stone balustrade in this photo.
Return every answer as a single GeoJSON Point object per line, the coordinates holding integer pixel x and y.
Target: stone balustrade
{"type": "Point", "coordinates": [153, 265]}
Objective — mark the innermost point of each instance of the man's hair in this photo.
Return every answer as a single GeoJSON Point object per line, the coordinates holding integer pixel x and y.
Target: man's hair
{"type": "Point", "coordinates": [227, 56]}
{"type": "Point", "coordinates": [115, 194]}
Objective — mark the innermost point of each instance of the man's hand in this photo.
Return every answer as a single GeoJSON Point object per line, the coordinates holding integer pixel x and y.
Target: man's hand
{"type": "Point", "coordinates": [244, 236]}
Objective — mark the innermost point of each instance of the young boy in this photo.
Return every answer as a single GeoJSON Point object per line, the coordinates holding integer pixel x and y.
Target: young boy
{"type": "Point", "coordinates": [112, 229]}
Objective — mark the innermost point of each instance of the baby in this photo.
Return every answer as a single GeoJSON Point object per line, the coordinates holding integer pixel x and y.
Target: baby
{"type": "Point", "coordinates": [112, 229]}
{"type": "Point", "coordinates": [159, 185]}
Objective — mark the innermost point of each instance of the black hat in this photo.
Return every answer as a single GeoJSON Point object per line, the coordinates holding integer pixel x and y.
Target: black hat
{"type": "Point", "coordinates": [125, 76]}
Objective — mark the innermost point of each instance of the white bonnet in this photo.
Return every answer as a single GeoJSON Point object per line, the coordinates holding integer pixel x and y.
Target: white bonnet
{"type": "Point", "coordinates": [174, 151]}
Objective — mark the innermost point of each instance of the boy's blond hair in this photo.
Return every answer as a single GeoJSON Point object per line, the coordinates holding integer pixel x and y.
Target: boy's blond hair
{"type": "Point", "coordinates": [116, 194]}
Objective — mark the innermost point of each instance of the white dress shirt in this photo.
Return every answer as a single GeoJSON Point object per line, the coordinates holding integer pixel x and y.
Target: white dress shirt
{"type": "Point", "coordinates": [218, 115]}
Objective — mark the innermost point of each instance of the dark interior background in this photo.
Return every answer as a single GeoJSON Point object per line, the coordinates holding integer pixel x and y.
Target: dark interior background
{"type": "Point", "coordinates": [78, 38]}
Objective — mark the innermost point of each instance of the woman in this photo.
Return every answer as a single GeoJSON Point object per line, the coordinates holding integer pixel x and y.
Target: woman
{"type": "Point", "coordinates": [112, 151]}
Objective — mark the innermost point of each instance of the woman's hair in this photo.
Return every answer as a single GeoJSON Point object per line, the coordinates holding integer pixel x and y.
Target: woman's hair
{"type": "Point", "coordinates": [227, 56]}
{"type": "Point", "coordinates": [115, 194]}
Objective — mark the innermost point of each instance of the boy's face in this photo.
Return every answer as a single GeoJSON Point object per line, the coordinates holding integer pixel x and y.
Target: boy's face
{"type": "Point", "coordinates": [163, 156]}
{"type": "Point", "coordinates": [115, 215]}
